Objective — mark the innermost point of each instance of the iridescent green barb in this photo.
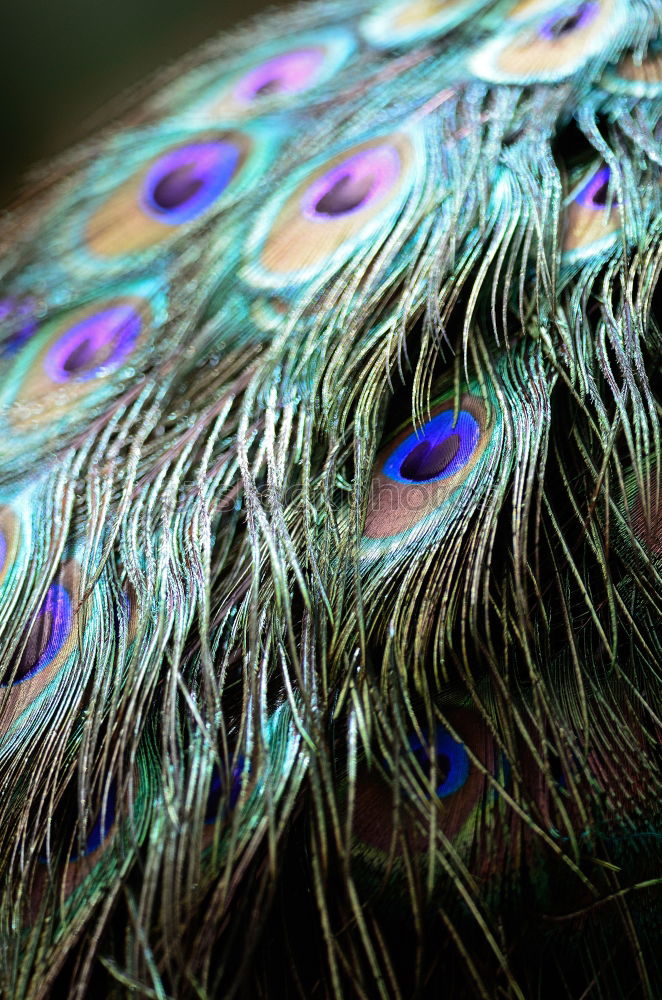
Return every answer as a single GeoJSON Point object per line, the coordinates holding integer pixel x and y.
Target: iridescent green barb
{"type": "Point", "coordinates": [331, 519]}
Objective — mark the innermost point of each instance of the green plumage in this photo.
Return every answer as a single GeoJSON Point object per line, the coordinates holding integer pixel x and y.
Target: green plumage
{"type": "Point", "coordinates": [330, 531]}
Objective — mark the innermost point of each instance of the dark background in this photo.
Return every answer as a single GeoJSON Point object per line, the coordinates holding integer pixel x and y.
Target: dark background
{"type": "Point", "coordinates": [63, 61]}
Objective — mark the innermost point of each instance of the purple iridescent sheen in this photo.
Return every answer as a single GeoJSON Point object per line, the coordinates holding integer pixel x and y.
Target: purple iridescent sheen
{"type": "Point", "coordinates": [94, 345]}
{"type": "Point", "coordinates": [352, 185]}
{"type": "Point", "coordinates": [183, 184]}
{"type": "Point", "coordinates": [47, 636]}
{"type": "Point", "coordinates": [17, 315]}
{"type": "Point", "coordinates": [450, 752]}
{"type": "Point", "coordinates": [3, 550]}
{"type": "Point", "coordinates": [567, 19]}
{"type": "Point", "coordinates": [594, 193]}
{"type": "Point", "coordinates": [288, 73]}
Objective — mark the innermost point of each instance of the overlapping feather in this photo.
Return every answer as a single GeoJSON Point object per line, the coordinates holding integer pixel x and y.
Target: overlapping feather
{"type": "Point", "coordinates": [329, 537]}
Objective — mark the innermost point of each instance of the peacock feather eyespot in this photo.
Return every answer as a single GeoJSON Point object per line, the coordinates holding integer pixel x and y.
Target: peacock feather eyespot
{"type": "Point", "coordinates": [71, 358]}
{"type": "Point", "coordinates": [178, 186]}
{"type": "Point", "coordinates": [335, 206]}
{"type": "Point", "coordinates": [550, 45]}
{"type": "Point", "coordinates": [419, 471]}
{"type": "Point", "coordinates": [277, 77]}
{"type": "Point", "coordinates": [440, 449]}
{"type": "Point", "coordinates": [182, 184]}
{"type": "Point", "coordinates": [592, 222]}
{"type": "Point", "coordinates": [119, 819]}
{"type": "Point", "coordinates": [594, 193]}
{"type": "Point", "coordinates": [45, 647]}
{"type": "Point", "coordinates": [353, 185]}
{"type": "Point", "coordinates": [94, 345]}
{"type": "Point", "coordinates": [452, 760]}
{"type": "Point", "coordinates": [47, 638]}
{"type": "Point", "coordinates": [405, 23]}
{"type": "Point", "coordinates": [461, 792]}
{"type": "Point", "coordinates": [238, 782]}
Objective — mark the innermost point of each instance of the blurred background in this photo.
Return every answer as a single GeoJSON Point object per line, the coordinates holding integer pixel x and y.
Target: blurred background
{"type": "Point", "coordinates": [63, 61]}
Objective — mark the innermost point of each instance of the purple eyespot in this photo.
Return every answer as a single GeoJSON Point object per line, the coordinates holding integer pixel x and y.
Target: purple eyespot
{"type": "Point", "coordinates": [289, 73]}
{"type": "Point", "coordinates": [46, 638]}
{"type": "Point", "coordinates": [353, 184]}
{"type": "Point", "coordinates": [439, 450]}
{"type": "Point", "coordinates": [17, 314]}
{"type": "Point", "coordinates": [452, 760]}
{"type": "Point", "coordinates": [594, 192]}
{"type": "Point", "coordinates": [182, 184]}
{"type": "Point", "coordinates": [94, 345]}
{"type": "Point", "coordinates": [568, 19]}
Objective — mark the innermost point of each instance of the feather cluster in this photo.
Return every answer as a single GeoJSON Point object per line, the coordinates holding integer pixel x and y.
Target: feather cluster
{"type": "Point", "coordinates": [331, 518]}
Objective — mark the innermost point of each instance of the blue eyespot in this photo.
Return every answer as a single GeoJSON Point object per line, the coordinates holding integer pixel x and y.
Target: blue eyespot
{"type": "Point", "coordinates": [567, 20]}
{"type": "Point", "coordinates": [439, 450]}
{"type": "Point", "coordinates": [286, 73]}
{"type": "Point", "coordinates": [452, 760]}
{"type": "Point", "coordinates": [46, 638]}
{"type": "Point", "coordinates": [97, 344]}
{"type": "Point", "coordinates": [594, 192]}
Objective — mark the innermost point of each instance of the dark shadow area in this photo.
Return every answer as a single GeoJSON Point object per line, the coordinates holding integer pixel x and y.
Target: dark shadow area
{"type": "Point", "coordinates": [63, 64]}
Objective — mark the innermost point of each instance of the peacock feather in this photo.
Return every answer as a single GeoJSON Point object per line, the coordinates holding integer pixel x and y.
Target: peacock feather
{"type": "Point", "coordinates": [330, 518]}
